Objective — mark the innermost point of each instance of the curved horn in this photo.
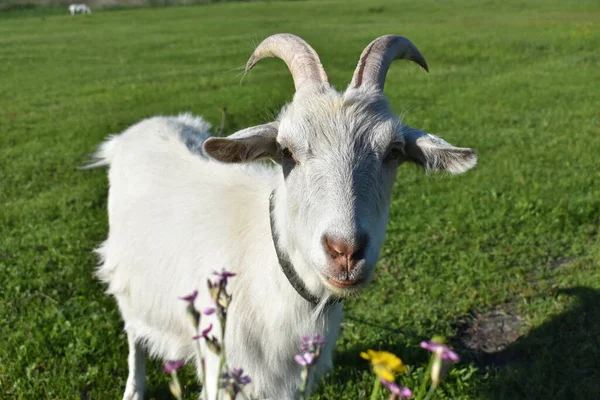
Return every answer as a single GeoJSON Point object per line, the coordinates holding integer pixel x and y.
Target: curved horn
{"type": "Point", "coordinates": [376, 58]}
{"type": "Point", "coordinates": [301, 59]}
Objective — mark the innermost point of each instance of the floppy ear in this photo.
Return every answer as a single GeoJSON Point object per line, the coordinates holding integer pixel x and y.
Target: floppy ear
{"type": "Point", "coordinates": [249, 144]}
{"type": "Point", "coordinates": [435, 154]}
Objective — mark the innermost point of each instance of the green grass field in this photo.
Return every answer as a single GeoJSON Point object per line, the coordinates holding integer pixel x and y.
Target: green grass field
{"type": "Point", "coordinates": [504, 260]}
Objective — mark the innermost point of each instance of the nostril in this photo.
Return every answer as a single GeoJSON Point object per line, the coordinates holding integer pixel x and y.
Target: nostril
{"type": "Point", "coordinates": [348, 250]}
{"type": "Point", "coordinates": [358, 254]}
{"type": "Point", "coordinates": [361, 246]}
{"type": "Point", "coordinates": [335, 248]}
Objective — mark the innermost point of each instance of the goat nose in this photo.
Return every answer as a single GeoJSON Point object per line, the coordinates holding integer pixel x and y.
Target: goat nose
{"type": "Point", "coordinates": [345, 254]}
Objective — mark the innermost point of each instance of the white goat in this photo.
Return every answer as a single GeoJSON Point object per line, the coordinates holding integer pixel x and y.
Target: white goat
{"type": "Point", "coordinates": [79, 8]}
{"type": "Point", "coordinates": [298, 234]}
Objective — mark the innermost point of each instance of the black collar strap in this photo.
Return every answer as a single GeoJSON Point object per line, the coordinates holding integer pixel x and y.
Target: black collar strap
{"type": "Point", "coordinates": [286, 264]}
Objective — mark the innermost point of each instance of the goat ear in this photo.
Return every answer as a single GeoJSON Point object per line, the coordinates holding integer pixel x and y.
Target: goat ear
{"type": "Point", "coordinates": [243, 146]}
{"type": "Point", "coordinates": [435, 154]}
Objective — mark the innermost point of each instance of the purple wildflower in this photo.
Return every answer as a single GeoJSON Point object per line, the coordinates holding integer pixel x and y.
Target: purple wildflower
{"type": "Point", "coordinates": [204, 333]}
{"type": "Point", "coordinates": [305, 359]}
{"type": "Point", "coordinates": [190, 297]}
{"type": "Point", "coordinates": [192, 314]}
{"type": "Point", "coordinates": [401, 392]}
{"type": "Point", "coordinates": [238, 375]}
{"type": "Point", "coordinates": [311, 342]}
{"type": "Point", "coordinates": [223, 276]}
{"type": "Point", "coordinates": [171, 367]}
{"type": "Point", "coordinates": [233, 380]}
{"type": "Point", "coordinates": [208, 310]}
{"type": "Point", "coordinates": [441, 350]}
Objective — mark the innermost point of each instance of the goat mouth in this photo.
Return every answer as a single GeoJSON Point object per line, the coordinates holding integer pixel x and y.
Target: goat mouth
{"type": "Point", "coordinates": [344, 284]}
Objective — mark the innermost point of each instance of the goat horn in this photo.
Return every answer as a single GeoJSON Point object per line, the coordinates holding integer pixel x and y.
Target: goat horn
{"type": "Point", "coordinates": [376, 58]}
{"type": "Point", "coordinates": [301, 59]}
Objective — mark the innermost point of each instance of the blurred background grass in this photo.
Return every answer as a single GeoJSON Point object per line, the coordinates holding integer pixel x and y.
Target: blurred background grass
{"type": "Point", "coordinates": [50, 7]}
{"type": "Point", "coordinates": [24, 4]}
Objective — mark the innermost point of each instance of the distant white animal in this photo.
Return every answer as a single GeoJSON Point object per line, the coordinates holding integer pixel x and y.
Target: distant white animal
{"type": "Point", "coordinates": [79, 8]}
{"type": "Point", "coordinates": [298, 234]}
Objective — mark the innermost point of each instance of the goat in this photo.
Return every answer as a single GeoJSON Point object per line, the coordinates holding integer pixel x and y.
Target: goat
{"type": "Point", "coordinates": [79, 8]}
{"type": "Point", "coordinates": [301, 233]}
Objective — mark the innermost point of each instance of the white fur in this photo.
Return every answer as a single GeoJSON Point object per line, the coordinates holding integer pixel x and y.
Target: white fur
{"type": "Point", "coordinates": [176, 215]}
{"type": "Point", "coordinates": [79, 9]}
{"type": "Point", "coordinates": [170, 211]}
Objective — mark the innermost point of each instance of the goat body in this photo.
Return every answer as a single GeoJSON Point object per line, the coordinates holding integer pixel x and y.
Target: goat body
{"type": "Point", "coordinates": [182, 205]}
{"type": "Point", "coordinates": [79, 9]}
{"type": "Point", "coordinates": [175, 216]}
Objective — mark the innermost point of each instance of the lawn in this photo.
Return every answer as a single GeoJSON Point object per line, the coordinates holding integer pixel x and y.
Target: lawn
{"type": "Point", "coordinates": [503, 260]}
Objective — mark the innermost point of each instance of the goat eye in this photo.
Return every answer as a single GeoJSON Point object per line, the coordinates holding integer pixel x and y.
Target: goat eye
{"type": "Point", "coordinates": [288, 155]}
{"type": "Point", "coordinates": [393, 154]}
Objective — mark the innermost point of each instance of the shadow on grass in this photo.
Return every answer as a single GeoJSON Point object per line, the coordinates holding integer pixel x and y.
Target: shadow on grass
{"type": "Point", "coordinates": [159, 393]}
{"type": "Point", "coordinates": [558, 360]}
{"type": "Point", "coordinates": [163, 392]}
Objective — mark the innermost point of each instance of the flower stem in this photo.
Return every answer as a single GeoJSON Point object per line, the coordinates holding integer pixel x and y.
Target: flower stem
{"type": "Point", "coordinates": [376, 388]}
{"type": "Point", "coordinates": [203, 368]}
{"type": "Point", "coordinates": [198, 350]}
{"type": "Point", "coordinates": [304, 377]}
{"type": "Point", "coordinates": [430, 392]}
{"type": "Point", "coordinates": [176, 388]}
{"type": "Point", "coordinates": [221, 313]}
{"type": "Point", "coordinates": [423, 387]}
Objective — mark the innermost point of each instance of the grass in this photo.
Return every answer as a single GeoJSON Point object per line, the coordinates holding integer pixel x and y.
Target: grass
{"type": "Point", "coordinates": [517, 236]}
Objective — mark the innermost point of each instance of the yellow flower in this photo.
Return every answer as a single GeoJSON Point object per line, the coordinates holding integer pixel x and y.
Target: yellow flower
{"type": "Point", "coordinates": [385, 364]}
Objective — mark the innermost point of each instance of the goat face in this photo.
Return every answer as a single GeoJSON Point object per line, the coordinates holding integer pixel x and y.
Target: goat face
{"type": "Point", "coordinates": [338, 153]}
